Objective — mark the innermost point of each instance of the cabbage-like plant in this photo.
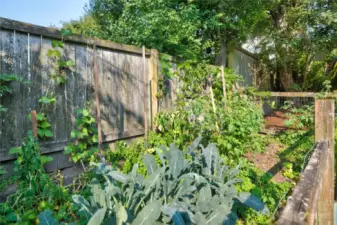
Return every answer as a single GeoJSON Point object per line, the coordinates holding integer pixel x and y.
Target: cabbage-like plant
{"type": "Point", "coordinates": [186, 187]}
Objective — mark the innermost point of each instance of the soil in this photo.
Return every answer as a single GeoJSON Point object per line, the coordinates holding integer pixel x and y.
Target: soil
{"type": "Point", "coordinates": [275, 121]}
{"type": "Point", "coordinates": [269, 161]}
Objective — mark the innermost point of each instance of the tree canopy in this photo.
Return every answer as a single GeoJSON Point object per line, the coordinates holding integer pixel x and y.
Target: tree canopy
{"type": "Point", "coordinates": [297, 39]}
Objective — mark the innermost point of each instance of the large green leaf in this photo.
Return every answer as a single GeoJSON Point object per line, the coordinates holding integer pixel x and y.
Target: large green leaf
{"type": "Point", "coordinates": [174, 214]}
{"type": "Point", "coordinates": [149, 214]}
{"type": "Point", "coordinates": [98, 217]}
{"type": "Point", "coordinates": [151, 182]}
{"type": "Point", "coordinates": [211, 157]}
{"type": "Point", "coordinates": [253, 202]}
{"type": "Point", "coordinates": [118, 176]}
{"type": "Point", "coordinates": [46, 218]}
{"type": "Point", "coordinates": [150, 163]}
{"type": "Point", "coordinates": [121, 215]}
{"type": "Point", "coordinates": [176, 163]}
{"type": "Point", "coordinates": [218, 216]}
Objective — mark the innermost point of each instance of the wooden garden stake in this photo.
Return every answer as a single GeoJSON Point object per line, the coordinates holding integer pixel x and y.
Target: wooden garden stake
{"type": "Point", "coordinates": [145, 98]}
{"type": "Point", "coordinates": [213, 102]}
{"type": "Point", "coordinates": [34, 124]}
{"type": "Point", "coordinates": [153, 66]}
{"type": "Point", "coordinates": [98, 111]}
{"type": "Point", "coordinates": [223, 84]}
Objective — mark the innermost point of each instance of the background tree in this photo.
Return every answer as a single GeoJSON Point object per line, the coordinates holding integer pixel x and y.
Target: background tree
{"type": "Point", "coordinates": [298, 43]}
{"type": "Point", "coordinates": [192, 29]}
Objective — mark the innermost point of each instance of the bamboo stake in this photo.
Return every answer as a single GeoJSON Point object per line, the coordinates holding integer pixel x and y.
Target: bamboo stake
{"type": "Point", "coordinates": [223, 84]}
{"type": "Point", "coordinates": [34, 124]}
{"type": "Point", "coordinates": [213, 105]}
{"type": "Point", "coordinates": [145, 98]}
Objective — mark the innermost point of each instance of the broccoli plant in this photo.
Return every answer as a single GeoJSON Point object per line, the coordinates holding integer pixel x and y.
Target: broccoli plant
{"type": "Point", "coordinates": [192, 186]}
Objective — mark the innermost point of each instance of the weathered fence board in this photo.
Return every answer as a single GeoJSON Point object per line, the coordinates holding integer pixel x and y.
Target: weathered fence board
{"type": "Point", "coordinates": [302, 205]}
{"type": "Point", "coordinates": [312, 201]}
{"type": "Point", "coordinates": [23, 51]}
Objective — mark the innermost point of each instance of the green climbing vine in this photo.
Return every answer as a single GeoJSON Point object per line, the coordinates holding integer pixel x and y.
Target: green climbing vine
{"type": "Point", "coordinates": [62, 66]}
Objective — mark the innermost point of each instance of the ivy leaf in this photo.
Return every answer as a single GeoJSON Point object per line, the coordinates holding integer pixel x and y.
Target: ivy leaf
{"type": "Point", "coordinates": [54, 53]}
{"type": "Point", "coordinates": [66, 32]}
{"type": "Point", "coordinates": [94, 138]}
{"type": "Point", "coordinates": [69, 63]}
{"type": "Point", "coordinates": [39, 116]}
{"type": "Point", "coordinates": [44, 124]}
{"type": "Point", "coordinates": [56, 44]}
{"type": "Point", "coordinates": [40, 132]}
{"type": "Point", "coordinates": [48, 133]}
{"type": "Point", "coordinates": [46, 159]}
{"type": "Point", "coordinates": [15, 150]}
{"type": "Point", "coordinates": [47, 100]}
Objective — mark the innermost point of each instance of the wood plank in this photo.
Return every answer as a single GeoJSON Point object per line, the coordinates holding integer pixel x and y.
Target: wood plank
{"type": "Point", "coordinates": [21, 70]}
{"type": "Point", "coordinates": [80, 75]}
{"type": "Point", "coordinates": [105, 89]}
{"type": "Point", "coordinates": [324, 130]}
{"type": "Point", "coordinates": [90, 74]}
{"type": "Point", "coordinates": [124, 67]}
{"type": "Point", "coordinates": [70, 92]}
{"type": "Point", "coordinates": [301, 207]}
{"type": "Point", "coordinates": [293, 94]}
{"type": "Point", "coordinates": [8, 67]}
{"type": "Point", "coordinates": [133, 75]}
{"type": "Point", "coordinates": [114, 117]}
{"type": "Point", "coordinates": [55, 33]}
{"type": "Point", "coordinates": [32, 91]}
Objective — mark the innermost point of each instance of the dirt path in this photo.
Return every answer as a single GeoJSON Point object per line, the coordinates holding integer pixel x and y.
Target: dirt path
{"type": "Point", "coordinates": [269, 161]}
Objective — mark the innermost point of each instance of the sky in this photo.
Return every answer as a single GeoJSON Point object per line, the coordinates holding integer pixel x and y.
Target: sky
{"type": "Point", "coordinates": [42, 12]}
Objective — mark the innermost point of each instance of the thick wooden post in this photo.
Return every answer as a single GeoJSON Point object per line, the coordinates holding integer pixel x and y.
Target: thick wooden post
{"type": "Point", "coordinates": [34, 124]}
{"type": "Point", "coordinates": [154, 83]}
{"type": "Point", "coordinates": [324, 130]}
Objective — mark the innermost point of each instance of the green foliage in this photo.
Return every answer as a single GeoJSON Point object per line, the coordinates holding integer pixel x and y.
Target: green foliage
{"type": "Point", "coordinates": [297, 42]}
{"type": "Point", "coordinates": [259, 183]}
{"type": "Point", "coordinates": [36, 191]}
{"type": "Point", "coordinates": [84, 145]}
{"type": "Point", "coordinates": [43, 126]}
{"type": "Point", "coordinates": [191, 186]}
{"type": "Point", "coordinates": [299, 117]}
{"type": "Point", "coordinates": [2, 171]}
{"type": "Point", "coordinates": [60, 75]}
{"type": "Point", "coordinates": [47, 99]}
{"type": "Point", "coordinates": [188, 29]}
{"type": "Point", "coordinates": [5, 80]}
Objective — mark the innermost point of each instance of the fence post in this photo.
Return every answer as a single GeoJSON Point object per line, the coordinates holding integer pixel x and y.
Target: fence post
{"type": "Point", "coordinates": [324, 130]}
{"type": "Point", "coordinates": [154, 61]}
{"type": "Point", "coordinates": [34, 124]}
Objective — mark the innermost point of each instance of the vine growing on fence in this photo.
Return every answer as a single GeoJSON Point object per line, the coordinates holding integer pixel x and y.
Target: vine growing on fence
{"type": "Point", "coordinates": [5, 80]}
{"type": "Point", "coordinates": [60, 74]}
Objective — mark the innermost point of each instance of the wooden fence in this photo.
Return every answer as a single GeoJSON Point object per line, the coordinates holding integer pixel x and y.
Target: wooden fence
{"type": "Point", "coordinates": [124, 88]}
{"type": "Point", "coordinates": [312, 200]}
